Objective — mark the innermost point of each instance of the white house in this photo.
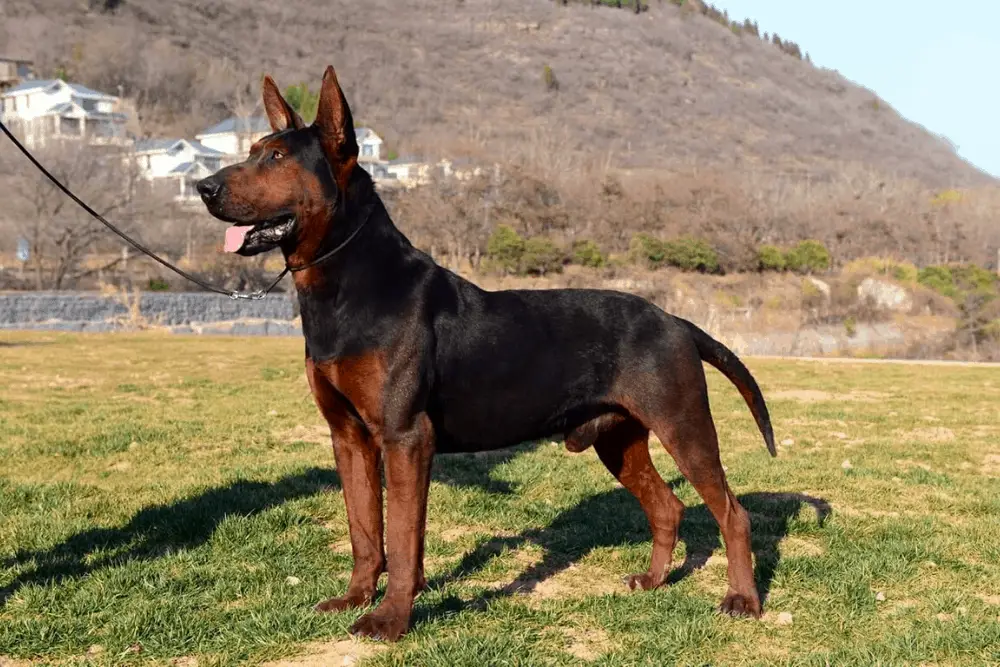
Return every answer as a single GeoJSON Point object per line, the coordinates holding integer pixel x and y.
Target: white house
{"type": "Point", "coordinates": [234, 136]}
{"type": "Point", "coordinates": [369, 145]}
{"type": "Point", "coordinates": [409, 172]}
{"type": "Point", "coordinates": [46, 110]}
{"type": "Point", "coordinates": [177, 164]}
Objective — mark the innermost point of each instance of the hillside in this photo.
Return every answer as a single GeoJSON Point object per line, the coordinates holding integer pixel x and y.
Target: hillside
{"type": "Point", "coordinates": [664, 89]}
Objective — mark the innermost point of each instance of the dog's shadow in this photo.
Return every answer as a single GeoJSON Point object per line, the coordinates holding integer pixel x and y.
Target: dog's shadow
{"type": "Point", "coordinates": [160, 529]}
{"type": "Point", "coordinates": [614, 519]}
{"type": "Point", "coordinates": [190, 522]}
{"type": "Point", "coordinates": [608, 519]}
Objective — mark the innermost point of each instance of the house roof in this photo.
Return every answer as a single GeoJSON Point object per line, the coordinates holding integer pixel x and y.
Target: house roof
{"type": "Point", "coordinates": [164, 145]}
{"type": "Point", "coordinates": [252, 124]}
{"type": "Point", "coordinates": [66, 107]}
{"type": "Point", "coordinates": [154, 145]}
{"type": "Point", "coordinates": [363, 133]}
{"type": "Point", "coordinates": [42, 84]}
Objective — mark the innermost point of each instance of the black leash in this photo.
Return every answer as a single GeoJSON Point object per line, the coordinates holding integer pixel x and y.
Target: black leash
{"type": "Point", "coordinates": [234, 294]}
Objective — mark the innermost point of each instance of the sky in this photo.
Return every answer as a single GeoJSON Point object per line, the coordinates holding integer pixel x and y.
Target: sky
{"type": "Point", "coordinates": [936, 63]}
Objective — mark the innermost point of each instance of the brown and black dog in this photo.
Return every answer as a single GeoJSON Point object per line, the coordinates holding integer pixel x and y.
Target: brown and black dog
{"type": "Point", "coordinates": [406, 359]}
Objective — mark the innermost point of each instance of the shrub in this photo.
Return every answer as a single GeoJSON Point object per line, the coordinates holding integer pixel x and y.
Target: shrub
{"type": "Point", "coordinates": [903, 272]}
{"type": "Point", "coordinates": [505, 248]}
{"type": "Point", "coordinates": [973, 278]}
{"type": "Point", "coordinates": [549, 78]}
{"type": "Point", "coordinates": [541, 256]}
{"type": "Point", "coordinates": [158, 285]}
{"type": "Point", "coordinates": [690, 254]}
{"type": "Point", "coordinates": [959, 281]}
{"type": "Point", "coordinates": [939, 279]}
{"type": "Point", "coordinates": [808, 257]}
{"type": "Point", "coordinates": [770, 258]}
{"type": "Point", "coordinates": [685, 253]}
{"type": "Point", "coordinates": [644, 249]}
{"type": "Point", "coordinates": [587, 253]}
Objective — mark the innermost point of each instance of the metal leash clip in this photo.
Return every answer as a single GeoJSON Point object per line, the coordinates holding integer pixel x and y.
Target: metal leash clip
{"type": "Point", "coordinates": [247, 296]}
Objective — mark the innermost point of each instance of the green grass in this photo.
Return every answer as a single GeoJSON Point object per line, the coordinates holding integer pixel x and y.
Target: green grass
{"type": "Point", "coordinates": [179, 495]}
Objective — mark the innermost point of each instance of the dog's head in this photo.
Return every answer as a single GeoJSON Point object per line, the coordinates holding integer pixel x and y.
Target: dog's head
{"type": "Point", "coordinates": [288, 189]}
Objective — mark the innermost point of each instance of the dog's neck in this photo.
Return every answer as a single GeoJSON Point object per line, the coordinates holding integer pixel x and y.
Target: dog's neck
{"type": "Point", "coordinates": [360, 241]}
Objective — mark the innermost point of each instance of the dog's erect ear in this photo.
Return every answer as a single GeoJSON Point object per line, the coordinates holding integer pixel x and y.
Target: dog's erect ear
{"type": "Point", "coordinates": [279, 113]}
{"type": "Point", "coordinates": [334, 121]}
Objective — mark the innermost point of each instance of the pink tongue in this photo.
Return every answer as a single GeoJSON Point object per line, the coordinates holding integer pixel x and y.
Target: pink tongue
{"type": "Point", "coordinates": [235, 236]}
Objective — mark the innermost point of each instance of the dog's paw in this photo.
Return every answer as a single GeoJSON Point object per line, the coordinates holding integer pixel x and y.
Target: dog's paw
{"type": "Point", "coordinates": [642, 582]}
{"type": "Point", "coordinates": [343, 603]}
{"type": "Point", "coordinates": [736, 604]}
{"type": "Point", "coordinates": [381, 625]}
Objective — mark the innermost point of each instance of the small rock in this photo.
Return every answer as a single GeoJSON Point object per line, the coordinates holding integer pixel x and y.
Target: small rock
{"type": "Point", "coordinates": [880, 597]}
{"type": "Point", "coordinates": [784, 618]}
{"type": "Point", "coordinates": [273, 413]}
{"type": "Point", "coordinates": [823, 287]}
{"type": "Point", "coordinates": [944, 617]}
{"type": "Point", "coordinates": [787, 442]}
{"type": "Point", "coordinates": [839, 436]}
{"type": "Point", "coordinates": [846, 465]}
{"type": "Point", "coordinates": [293, 581]}
{"type": "Point", "coordinates": [884, 295]}
{"type": "Point", "coordinates": [96, 649]}
{"type": "Point", "coordinates": [930, 563]}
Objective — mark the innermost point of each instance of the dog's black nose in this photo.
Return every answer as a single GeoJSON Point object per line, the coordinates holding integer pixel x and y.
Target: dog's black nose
{"type": "Point", "coordinates": [209, 188]}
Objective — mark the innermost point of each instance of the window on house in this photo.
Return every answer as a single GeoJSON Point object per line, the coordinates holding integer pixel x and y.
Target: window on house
{"type": "Point", "coordinates": [368, 150]}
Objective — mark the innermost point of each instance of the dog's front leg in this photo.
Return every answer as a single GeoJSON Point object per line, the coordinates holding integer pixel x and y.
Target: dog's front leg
{"type": "Point", "coordinates": [407, 457]}
{"type": "Point", "coordinates": [358, 465]}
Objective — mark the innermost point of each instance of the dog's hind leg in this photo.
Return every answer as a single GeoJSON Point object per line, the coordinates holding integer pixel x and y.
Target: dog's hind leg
{"type": "Point", "coordinates": [688, 433]}
{"type": "Point", "coordinates": [624, 450]}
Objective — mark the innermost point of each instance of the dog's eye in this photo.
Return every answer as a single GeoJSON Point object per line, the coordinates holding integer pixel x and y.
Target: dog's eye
{"type": "Point", "coordinates": [277, 155]}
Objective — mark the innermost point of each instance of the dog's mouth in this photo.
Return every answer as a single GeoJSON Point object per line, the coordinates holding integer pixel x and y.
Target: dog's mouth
{"type": "Point", "coordinates": [252, 239]}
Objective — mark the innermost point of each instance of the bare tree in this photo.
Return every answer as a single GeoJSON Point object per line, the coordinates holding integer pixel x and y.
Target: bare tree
{"type": "Point", "coordinates": [60, 235]}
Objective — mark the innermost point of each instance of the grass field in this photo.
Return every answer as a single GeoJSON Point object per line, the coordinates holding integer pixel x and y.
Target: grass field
{"type": "Point", "coordinates": [173, 501]}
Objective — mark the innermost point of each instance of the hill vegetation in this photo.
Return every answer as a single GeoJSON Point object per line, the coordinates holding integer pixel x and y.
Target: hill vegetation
{"type": "Point", "coordinates": [666, 121]}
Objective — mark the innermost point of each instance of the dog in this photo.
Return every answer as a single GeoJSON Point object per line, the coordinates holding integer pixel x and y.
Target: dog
{"type": "Point", "coordinates": [406, 359]}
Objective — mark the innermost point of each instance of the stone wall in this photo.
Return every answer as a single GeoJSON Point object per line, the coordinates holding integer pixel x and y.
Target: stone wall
{"type": "Point", "coordinates": [181, 312]}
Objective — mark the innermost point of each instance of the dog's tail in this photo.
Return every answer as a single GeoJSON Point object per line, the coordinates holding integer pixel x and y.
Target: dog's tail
{"type": "Point", "coordinates": [722, 358]}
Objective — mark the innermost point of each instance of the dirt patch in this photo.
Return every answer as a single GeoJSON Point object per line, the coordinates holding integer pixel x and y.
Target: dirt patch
{"type": "Point", "coordinates": [802, 395]}
{"type": "Point", "coordinates": [346, 652]}
{"type": "Point", "coordinates": [11, 662]}
{"type": "Point", "coordinates": [797, 546]}
{"type": "Point", "coordinates": [342, 546]}
{"type": "Point", "coordinates": [990, 599]}
{"type": "Point", "coordinates": [908, 464]}
{"type": "Point", "coordinates": [457, 533]}
{"type": "Point", "coordinates": [932, 434]}
{"type": "Point", "coordinates": [316, 433]}
{"type": "Point", "coordinates": [991, 465]}
{"type": "Point", "coordinates": [587, 643]}
{"type": "Point", "coordinates": [184, 662]}
{"type": "Point", "coordinates": [576, 581]}
{"type": "Point", "coordinates": [816, 396]}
